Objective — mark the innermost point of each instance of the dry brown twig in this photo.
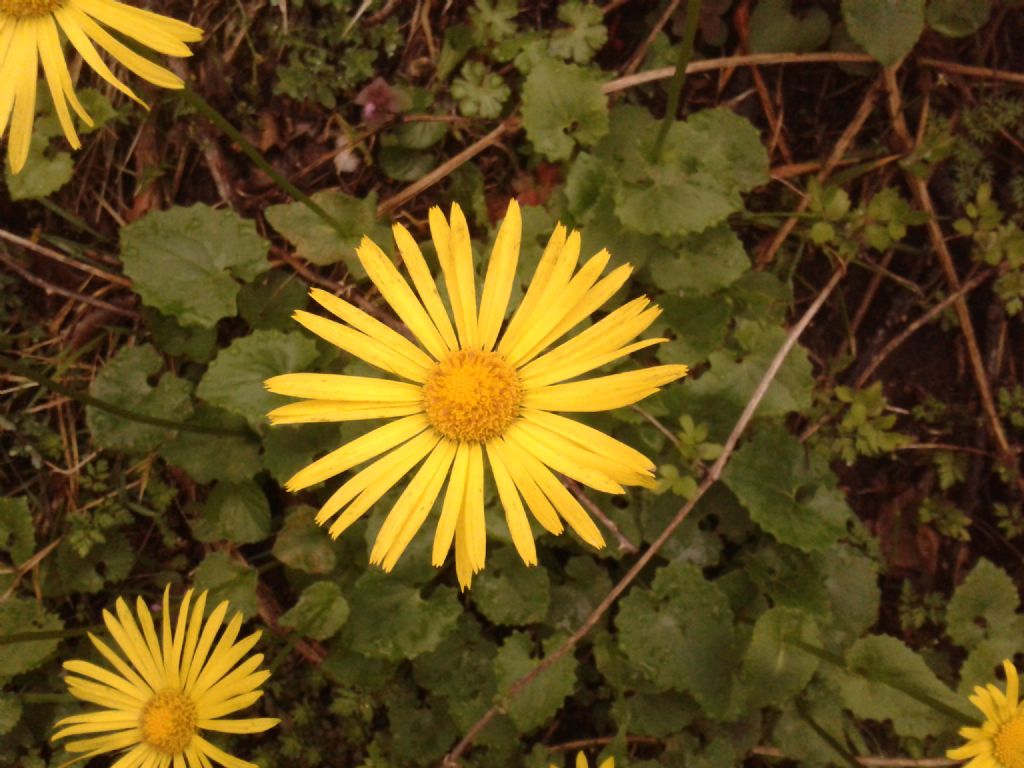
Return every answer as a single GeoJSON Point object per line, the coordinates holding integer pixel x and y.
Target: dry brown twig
{"type": "Point", "coordinates": [451, 760]}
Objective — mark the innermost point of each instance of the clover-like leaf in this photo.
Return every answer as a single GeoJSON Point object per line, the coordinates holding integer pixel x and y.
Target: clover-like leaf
{"type": "Point", "coordinates": [479, 92]}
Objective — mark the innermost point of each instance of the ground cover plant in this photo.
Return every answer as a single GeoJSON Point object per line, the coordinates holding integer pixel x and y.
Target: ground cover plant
{"type": "Point", "coordinates": [802, 456]}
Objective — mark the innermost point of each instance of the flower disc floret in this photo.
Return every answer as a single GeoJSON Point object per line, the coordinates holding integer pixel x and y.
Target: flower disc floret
{"type": "Point", "coordinates": [25, 8]}
{"type": "Point", "coordinates": [472, 396]}
{"type": "Point", "coordinates": [1008, 744]}
{"type": "Point", "coordinates": [999, 741]}
{"type": "Point", "coordinates": [168, 722]}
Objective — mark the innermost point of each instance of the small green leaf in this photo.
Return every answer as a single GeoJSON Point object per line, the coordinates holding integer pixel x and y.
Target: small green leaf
{"type": "Point", "coordinates": [44, 173]}
{"type": "Point", "coordinates": [887, 29]}
{"type": "Point", "coordinates": [479, 92]}
{"type": "Point", "coordinates": [186, 262]}
{"type": "Point", "coordinates": [536, 704]}
{"type": "Point", "coordinates": [177, 340]}
{"type": "Point", "coordinates": [18, 616]}
{"type": "Point", "coordinates": [234, 380]}
{"type": "Point", "coordinates": [585, 34]}
{"type": "Point", "coordinates": [320, 612]}
{"type": "Point", "coordinates": [775, 28]}
{"type": "Point", "coordinates": [876, 660]}
{"type": "Point", "coordinates": [208, 457]}
{"type": "Point", "coordinates": [958, 18]}
{"type": "Point", "coordinates": [302, 544]}
{"type": "Point", "coordinates": [774, 670]}
{"type": "Point", "coordinates": [228, 579]}
{"type": "Point", "coordinates": [317, 241]}
{"type": "Point", "coordinates": [984, 607]}
{"type": "Point", "coordinates": [787, 492]}
{"type": "Point", "coordinates": [10, 712]}
{"type": "Point", "coordinates": [124, 382]}
{"type": "Point", "coordinates": [390, 620]}
{"type": "Point", "coordinates": [236, 512]}
{"type": "Point", "coordinates": [698, 323]}
{"type": "Point", "coordinates": [268, 303]}
{"type": "Point", "coordinates": [17, 534]}
{"type": "Point", "coordinates": [563, 105]}
{"type": "Point", "coordinates": [508, 592]}
{"type": "Point", "coordinates": [702, 263]}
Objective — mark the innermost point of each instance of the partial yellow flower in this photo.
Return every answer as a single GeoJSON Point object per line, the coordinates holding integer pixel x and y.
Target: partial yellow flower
{"type": "Point", "coordinates": [29, 36]}
{"type": "Point", "coordinates": [171, 687]}
{"type": "Point", "coordinates": [581, 762]}
{"type": "Point", "coordinates": [471, 390]}
{"type": "Point", "coordinates": [999, 742]}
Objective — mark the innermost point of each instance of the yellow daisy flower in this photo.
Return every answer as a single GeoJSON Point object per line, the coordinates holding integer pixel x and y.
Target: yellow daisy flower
{"type": "Point", "coordinates": [29, 36]}
{"type": "Point", "coordinates": [172, 687]}
{"type": "Point", "coordinates": [471, 390]}
{"type": "Point", "coordinates": [999, 742]}
{"type": "Point", "coordinates": [581, 762]}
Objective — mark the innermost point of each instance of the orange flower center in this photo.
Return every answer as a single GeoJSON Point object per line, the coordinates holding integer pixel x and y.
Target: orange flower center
{"type": "Point", "coordinates": [472, 396]}
{"type": "Point", "coordinates": [1008, 744]}
{"type": "Point", "coordinates": [25, 8]}
{"type": "Point", "coordinates": [168, 722]}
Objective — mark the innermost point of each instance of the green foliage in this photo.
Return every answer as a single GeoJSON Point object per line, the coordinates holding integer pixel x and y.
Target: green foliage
{"type": "Point", "coordinates": [887, 29]}
{"type": "Point", "coordinates": [302, 545]}
{"type": "Point", "coordinates": [479, 92]}
{"type": "Point", "coordinates": [186, 262]}
{"type": "Point", "coordinates": [26, 617]}
{"type": "Point", "coordinates": [584, 34]}
{"type": "Point", "coordinates": [320, 612]}
{"type": "Point", "coordinates": [999, 243]}
{"type": "Point", "coordinates": [236, 512]}
{"type": "Point", "coordinates": [317, 241]}
{"type": "Point", "coordinates": [228, 579]}
{"type": "Point", "coordinates": [510, 594]}
{"type": "Point", "coordinates": [958, 18]}
{"type": "Point", "coordinates": [984, 608]}
{"type": "Point", "coordinates": [538, 703]}
{"type": "Point", "coordinates": [774, 27]}
{"type": "Point", "coordinates": [863, 428]}
{"type": "Point", "coordinates": [563, 106]}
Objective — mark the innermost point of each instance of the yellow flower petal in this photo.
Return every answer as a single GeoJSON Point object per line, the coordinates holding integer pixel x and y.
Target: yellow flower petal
{"type": "Point", "coordinates": [515, 514]}
{"type": "Point", "coordinates": [425, 286]}
{"type": "Point", "coordinates": [329, 386]}
{"type": "Point", "coordinates": [501, 272]}
{"type": "Point", "coordinates": [605, 392]}
{"type": "Point", "coordinates": [454, 500]}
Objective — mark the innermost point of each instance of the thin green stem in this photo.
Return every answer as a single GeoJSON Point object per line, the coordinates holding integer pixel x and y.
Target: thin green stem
{"type": "Point", "coordinates": [909, 689]}
{"type": "Point", "coordinates": [222, 123]}
{"type": "Point", "coordinates": [45, 381]}
{"type": "Point", "coordinates": [57, 634]}
{"type": "Point", "coordinates": [675, 87]}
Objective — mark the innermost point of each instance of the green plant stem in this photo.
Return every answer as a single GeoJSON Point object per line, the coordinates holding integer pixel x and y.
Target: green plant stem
{"type": "Point", "coordinates": [45, 381]}
{"type": "Point", "coordinates": [57, 634]}
{"type": "Point", "coordinates": [675, 87]}
{"type": "Point", "coordinates": [222, 123]}
{"type": "Point", "coordinates": [909, 689]}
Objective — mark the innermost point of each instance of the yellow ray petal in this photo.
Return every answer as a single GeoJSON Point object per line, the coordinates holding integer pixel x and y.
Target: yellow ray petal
{"type": "Point", "coordinates": [107, 743]}
{"type": "Point", "coordinates": [223, 659]}
{"type": "Point", "coordinates": [89, 54]}
{"type": "Point", "coordinates": [605, 392]}
{"type": "Point", "coordinates": [451, 507]}
{"type": "Point", "coordinates": [192, 630]}
{"type": "Point", "coordinates": [149, 634]}
{"type": "Point", "coordinates": [126, 671]}
{"type": "Point", "coordinates": [204, 710]}
{"type": "Point", "coordinates": [124, 723]}
{"type": "Point", "coordinates": [455, 253]}
{"type": "Point", "coordinates": [330, 386]}
{"type": "Point", "coordinates": [23, 54]}
{"type": "Point", "coordinates": [473, 509]}
{"type": "Point", "coordinates": [200, 638]}
{"type": "Point", "coordinates": [425, 285]}
{"type": "Point", "coordinates": [463, 559]}
{"type": "Point", "coordinates": [575, 463]}
{"type": "Point", "coordinates": [140, 65]}
{"type": "Point", "coordinates": [515, 514]}
{"type": "Point", "coordinates": [399, 295]}
{"type": "Point", "coordinates": [210, 659]}
{"type": "Point", "coordinates": [566, 504]}
{"type": "Point", "coordinates": [555, 373]}
{"type": "Point", "coordinates": [374, 481]}
{"type": "Point", "coordinates": [1012, 683]}
{"type": "Point", "coordinates": [126, 634]}
{"type": "Point", "coordinates": [103, 695]}
{"type": "Point", "coordinates": [380, 350]}
{"type": "Point", "coordinates": [538, 503]}
{"type": "Point", "coordinates": [592, 439]}
{"type": "Point", "coordinates": [247, 725]}
{"type": "Point", "coordinates": [412, 508]}
{"type": "Point", "coordinates": [501, 271]}
{"type": "Point", "coordinates": [162, 34]}
{"type": "Point", "coordinates": [357, 451]}
{"type": "Point", "coordinates": [310, 411]}
{"type": "Point", "coordinates": [541, 278]}
{"type": "Point", "coordinates": [220, 756]}
{"type": "Point", "coordinates": [55, 69]}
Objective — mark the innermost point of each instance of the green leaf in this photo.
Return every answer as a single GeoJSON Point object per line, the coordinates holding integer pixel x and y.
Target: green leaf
{"type": "Point", "coordinates": [775, 28]}
{"type": "Point", "coordinates": [268, 303]}
{"type": "Point", "coordinates": [508, 592]}
{"type": "Point", "coordinates": [876, 660]}
{"type": "Point", "coordinates": [186, 262]}
{"type": "Point", "coordinates": [177, 340]}
{"type": "Point", "coordinates": [235, 512]}
{"type": "Point", "coordinates": [390, 620]}
{"type": "Point", "coordinates": [984, 607]}
{"type": "Point", "coordinates": [288, 448]}
{"type": "Point", "coordinates": [44, 173]}
{"type": "Point", "coordinates": [493, 21]}
{"type": "Point", "coordinates": [403, 164]}
{"type": "Point", "coordinates": [18, 616]}
{"type": "Point", "coordinates": [563, 105]}
{"type": "Point", "coordinates": [317, 241]}
{"type": "Point", "coordinates": [979, 668]}
{"type": "Point", "coordinates": [234, 380]}
{"type": "Point", "coordinates": [585, 35]}
{"type": "Point", "coordinates": [17, 534]}
{"type": "Point", "coordinates": [681, 634]}
{"type": "Point", "coordinates": [228, 579]}
{"type": "Point", "coordinates": [698, 323]}
{"type": "Point", "coordinates": [302, 544]}
{"type": "Point", "coordinates": [702, 263]}
{"type": "Point", "coordinates": [479, 92]}
{"type": "Point", "coordinates": [124, 382]}
{"type": "Point", "coordinates": [208, 457]}
{"type": "Point", "coordinates": [786, 492]}
{"type": "Point", "coordinates": [654, 714]}
{"type": "Point", "coordinates": [886, 29]}
{"type": "Point", "coordinates": [67, 572]}
{"type": "Point", "coordinates": [471, 691]}
{"type": "Point", "coordinates": [536, 704]}
{"type": "Point", "coordinates": [320, 612]}
{"type": "Point", "coordinates": [10, 712]}
{"type": "Point", "coordinates": [774, 670]}
{"type": "Point", "coordinates": [852, 584]}
{"type": "Point", "coordinates": [958, 18]}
